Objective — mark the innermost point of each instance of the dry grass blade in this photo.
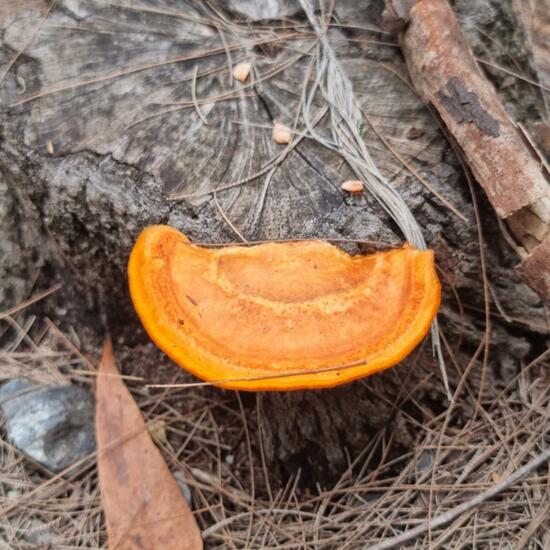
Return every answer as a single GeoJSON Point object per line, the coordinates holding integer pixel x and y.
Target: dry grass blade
{"type": "Point", "coordinates": [40, 296]}
{"type": "Point", "coordinates": [512, 73]}
{"type": "Point", "coordinates": [194, 95]}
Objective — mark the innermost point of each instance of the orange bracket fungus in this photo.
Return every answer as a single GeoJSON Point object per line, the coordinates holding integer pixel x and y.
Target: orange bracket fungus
{"type": "Point", "coordinates": [281, 316]}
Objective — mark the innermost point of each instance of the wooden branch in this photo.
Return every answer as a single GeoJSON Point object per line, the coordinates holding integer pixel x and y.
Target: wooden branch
{"type": "Point", "coordinates": [398, 541]}
{"type": "Point", "coordinates": [514, 178]}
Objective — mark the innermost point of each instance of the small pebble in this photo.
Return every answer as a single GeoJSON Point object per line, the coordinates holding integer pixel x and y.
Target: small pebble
{"type": "Point", "coordinates": [281, 133]}
{"type": "Point", "coordinates": [185, 490]}
{"type": "Point", "coordinates": [38, 534]}
{"type": "Point", "coordinates": [52, 425]}
{"type": "Point", "coordinates": [157, 430]}
{"type": "Point", "coordinates": [241, 71]}
{"type": "Point", "coordinates": [353, 186]}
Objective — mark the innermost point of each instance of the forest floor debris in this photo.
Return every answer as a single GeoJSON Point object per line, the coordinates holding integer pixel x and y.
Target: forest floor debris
{"type": "Point", "coordinates": [454, 459]}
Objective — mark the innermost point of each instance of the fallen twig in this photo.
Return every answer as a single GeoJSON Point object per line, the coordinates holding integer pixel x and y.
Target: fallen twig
{"type": "Point", "coordinates": [445, 75]}
{"type": "Point", "coordinates": [446, 517]}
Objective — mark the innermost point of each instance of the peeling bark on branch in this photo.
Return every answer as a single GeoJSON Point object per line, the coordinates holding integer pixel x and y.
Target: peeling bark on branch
{"type": "Point", "coordinates": [445, 75]}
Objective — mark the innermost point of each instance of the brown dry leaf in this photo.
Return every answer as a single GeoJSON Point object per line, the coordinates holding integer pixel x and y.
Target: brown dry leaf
{"type": "Point", "coordinates": [142, 501]}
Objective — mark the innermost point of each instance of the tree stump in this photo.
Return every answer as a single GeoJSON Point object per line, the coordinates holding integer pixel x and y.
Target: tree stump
{"type": "Point", "coordinates": [113, 110]}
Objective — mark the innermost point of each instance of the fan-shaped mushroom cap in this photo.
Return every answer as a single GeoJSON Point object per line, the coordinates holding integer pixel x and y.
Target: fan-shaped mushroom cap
{"type": "Point", "coordinates": [281, 316]}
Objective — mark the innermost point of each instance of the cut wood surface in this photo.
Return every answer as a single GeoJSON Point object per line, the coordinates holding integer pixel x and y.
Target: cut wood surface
{"type": "Point", "coordinates": [83, 171]}
{"type": "Point", "coordinates": [110, 88]}
{"type": "Point", "coordinates": [446, 76]}
{"type": "Point", "coordinates": [143, 504]}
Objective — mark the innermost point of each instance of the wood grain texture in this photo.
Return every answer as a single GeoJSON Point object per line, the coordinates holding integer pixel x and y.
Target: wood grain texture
{"type": "Point", "coordinates": [109, 178]}
{"type": "Point", "coordinates": [143, 504]}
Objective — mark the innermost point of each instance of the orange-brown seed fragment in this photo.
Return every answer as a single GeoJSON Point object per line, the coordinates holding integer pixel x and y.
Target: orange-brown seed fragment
{"type": "Point", "coordinates": [281, 133]}
{"type": "Point", "coordinates": [241, 71]}
{"type": "Point", "coordinates": [353, 186]}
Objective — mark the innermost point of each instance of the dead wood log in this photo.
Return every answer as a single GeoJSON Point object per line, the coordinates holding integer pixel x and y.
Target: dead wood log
{"type": "Point", "coordinates": [515, 180]}
{"type": "Point", "coordinates": [94, 86]}
{"type": "Point", "coordinates": [535, 17]}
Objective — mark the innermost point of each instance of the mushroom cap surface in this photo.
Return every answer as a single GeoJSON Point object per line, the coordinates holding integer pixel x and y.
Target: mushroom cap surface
{"type": "Point", "coordinates": [281, 316]}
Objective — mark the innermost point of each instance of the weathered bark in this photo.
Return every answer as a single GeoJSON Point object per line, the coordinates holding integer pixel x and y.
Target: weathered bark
{"type": "Point", "coordinates": [445, 75]}
{"type": "Point", "coordinates": [535, 17]}
{"type": "Point", "coordinates": [79, 90]}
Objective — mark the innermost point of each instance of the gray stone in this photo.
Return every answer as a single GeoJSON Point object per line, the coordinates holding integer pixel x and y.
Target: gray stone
{"type": "Point", "coordinates": [179, 476]}
{"type": "Point", "coordinates": [52, 425]}
{"type": "Point", "coordinates": [38, 533]}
